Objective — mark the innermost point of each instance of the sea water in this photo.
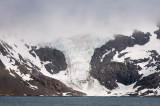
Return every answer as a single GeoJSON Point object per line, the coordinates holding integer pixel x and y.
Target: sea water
{"type": "Point", "coordinates": [79, 101]}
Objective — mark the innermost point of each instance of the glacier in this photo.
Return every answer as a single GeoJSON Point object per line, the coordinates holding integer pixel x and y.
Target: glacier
{"type": "Point", "coordinates": [78, 52]}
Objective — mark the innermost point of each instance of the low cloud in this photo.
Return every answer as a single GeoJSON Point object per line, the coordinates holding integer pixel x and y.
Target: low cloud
{"type": "Point", "coordinates": [46, 20]}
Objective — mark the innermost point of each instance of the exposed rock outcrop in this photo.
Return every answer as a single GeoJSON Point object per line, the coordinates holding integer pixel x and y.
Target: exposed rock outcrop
{"type": "Point", "coordinates": [113, 72]}
{"type": "Point", "coordinates": [109, 73]}
{"type": "Point", "coordinates": [149, 82]}
{"type": "Point", "coordinates": [56, 59]}
{"type": "Point", "coordinates": [158, 32]}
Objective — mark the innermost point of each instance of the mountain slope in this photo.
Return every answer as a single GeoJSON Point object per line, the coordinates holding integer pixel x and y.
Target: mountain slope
{"type": "Point", "coordinates": [27, 70]}
{"type": "Point", "coordinates": [82, 65]}
{"type": "Point", "coordinates": [127, 61]}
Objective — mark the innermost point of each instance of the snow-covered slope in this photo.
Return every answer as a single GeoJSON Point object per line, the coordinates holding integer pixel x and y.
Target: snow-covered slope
{"type": "Point", "coordinates": [27, 69]}
{"type": "Point", "coordinates": [132, 62]}
{"type": "Point", "coordinates": [92, 64]}
{"type": "Point", "coordinates": [18, 50]}
{"type": "Point", "coordinates": [140, 52]}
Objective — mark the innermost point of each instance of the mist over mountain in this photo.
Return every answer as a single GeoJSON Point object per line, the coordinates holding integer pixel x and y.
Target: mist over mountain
{"type": "Point", "coordinates": [48, 20]}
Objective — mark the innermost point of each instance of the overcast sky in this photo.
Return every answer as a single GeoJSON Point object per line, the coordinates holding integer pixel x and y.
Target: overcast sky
{"type": "Point", "coordinates": [47, 20]}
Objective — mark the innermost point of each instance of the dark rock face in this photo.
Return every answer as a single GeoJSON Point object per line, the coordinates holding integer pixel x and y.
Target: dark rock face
{"type": "Point", "coordinates": [158, 33]}
{"type": "Point", "coordinates": [2, 48]}
{"type": "Point", "coordinates": [108, 72]}
{"type": "Point", "coordinates": [46, 86]}
{"type": "Point", "coordinates": [12, 86]}
{"type": "Point", "coordinates": [141, 38]}
{"type": "Point", "coordinates": [55, 57]}
{"type": "Point", "coordinates": [113, 72]}
{"type": "Point", "coordinates": [120, 43]}
{"type": "Point", "coordinates": [151, 82]}
{"type": "Point", "coordinates": [154, 57]}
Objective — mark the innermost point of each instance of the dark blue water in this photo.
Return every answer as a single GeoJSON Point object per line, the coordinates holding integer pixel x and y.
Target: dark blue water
{"type": "Point", "coordinates": [78, 101]}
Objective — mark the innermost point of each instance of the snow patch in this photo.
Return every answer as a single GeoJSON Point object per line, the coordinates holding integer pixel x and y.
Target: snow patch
{"type": "Point", "coordinates": [32, 86]}
{"type": "Point", "coordinates": [105, 55]}
{"type": "Point", "coordinates": [123, 90]}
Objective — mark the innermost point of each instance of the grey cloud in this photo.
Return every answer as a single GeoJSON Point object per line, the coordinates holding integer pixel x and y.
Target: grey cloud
{"type": "Point", "coordinates": [51, 19]}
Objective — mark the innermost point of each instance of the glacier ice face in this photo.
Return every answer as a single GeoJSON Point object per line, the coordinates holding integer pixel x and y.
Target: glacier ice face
{"type": "Point", "coordinates": [78, 52]}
